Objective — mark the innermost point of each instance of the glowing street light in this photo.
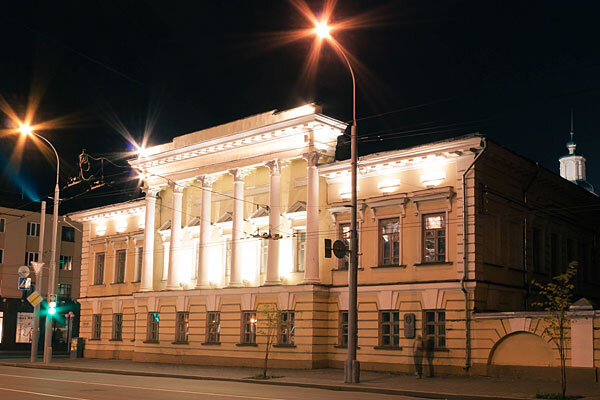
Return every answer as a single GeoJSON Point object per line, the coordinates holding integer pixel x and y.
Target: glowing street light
{"type": "Point", "coordinates": [27, 130]}
{"type": "Point", "coordinates": [322, 30]}
{"type": "Point", "coordinates": [351, 366]}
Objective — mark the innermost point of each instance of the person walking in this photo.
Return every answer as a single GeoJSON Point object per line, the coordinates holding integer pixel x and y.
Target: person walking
{"type": "Point", "coordinates": [429, 348]}
{"type": "Point", "coordinates": [418, 356]}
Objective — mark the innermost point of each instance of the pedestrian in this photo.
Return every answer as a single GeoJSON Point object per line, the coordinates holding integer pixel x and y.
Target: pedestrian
{"type": "Point", "coordinates": [418, 356]}
{"type": "Point", "coordinates": [429, 348]}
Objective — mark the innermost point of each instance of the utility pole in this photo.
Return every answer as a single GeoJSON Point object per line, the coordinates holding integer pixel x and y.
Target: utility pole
{"type": "Point", "coordinates": [38, 286]}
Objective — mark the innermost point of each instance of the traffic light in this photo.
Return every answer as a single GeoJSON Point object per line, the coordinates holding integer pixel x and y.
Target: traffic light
{"type": "Point", "coordinates": [52, 308]}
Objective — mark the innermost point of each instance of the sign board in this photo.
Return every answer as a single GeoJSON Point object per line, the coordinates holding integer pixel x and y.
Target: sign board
{"type": "Point", "coordinates": [24, 283]}
{"type": "Point", "coordinates": [37, 266]}
{"type": "Point", "coordinates": [23, 271]}
{"type": "Point", "coordinates": [35, 298]}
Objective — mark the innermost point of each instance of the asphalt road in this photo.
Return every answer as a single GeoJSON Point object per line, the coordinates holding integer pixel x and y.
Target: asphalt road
{"type": "Point", "coordinates": [21, 384]}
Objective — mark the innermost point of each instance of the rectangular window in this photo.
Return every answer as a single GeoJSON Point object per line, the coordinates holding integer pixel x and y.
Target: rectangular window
{"type": "Point", "coordinates": [96, 326]}
{"type": "Point", "coordinates": [344, 235]}
{"type": "Point", "coordinates": [434, 327]}
{"type": "Point", "coordinates": [389, 230]}
{"type": "Point", "coordinates": [2, 226]}
{"type": "Point", "coordinates": [300, 251]}
{"type": "Point", "coordinates": [1, 256]}
{"type": "Point", "coordinates": [99, 269]}
{"type": "Point", "coordinates": [31, 256]}
{"type": "Point", "coordinates": [286, 328]}
{"type": "Point", "coordinates": [343, 329]}
{"type": "Point", "coordinates": [64, 291]}
{"type": "Point", "coordinates": [182, 327]}
{"type": "Point", "coordinates": [120, 265]}
{"type": "Point", "coordinates": [33, 229]}
{"type": "Point", "coordinates": [213, 327]}
{"type": "Point", "coordinates": [248, 327]}
{"type": "Point", "coordinates": [139, 259]}
{"type": "Point", "coordinates": [264, 255]}
{"type": "Point", "coordinates": [117, 327]}
{"type": "Point", "coordinates": [67, 234]}
{"type": "Point", "coordinates": [152, 330]}
{"type": "Point", "coordinates": [389, 328]}
{"type": "Point", "coordinates": [434, 238]}
{"type": "Point", "coordinates": [65, 263]}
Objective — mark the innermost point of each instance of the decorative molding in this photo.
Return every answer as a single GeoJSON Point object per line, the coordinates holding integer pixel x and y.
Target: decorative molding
{"type": "Point", "coordinates": [239, 174]}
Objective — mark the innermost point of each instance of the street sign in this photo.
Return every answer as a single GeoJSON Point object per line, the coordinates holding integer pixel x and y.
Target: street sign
{"type": "Point", "coordinates": [37, 266]}
{"type": "Point", "coordinates": [339, 249]}
{"type": "Point", "coordinates": [35, 298]}
{"type": "Point", "coordinates": [24, 283]}
{"type": "Point", "coordinates": [23, 271]}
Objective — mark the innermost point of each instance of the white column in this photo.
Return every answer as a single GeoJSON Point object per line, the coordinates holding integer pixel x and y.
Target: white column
{"type": "Point", "coordinates": [274, 223]}
{"type": "Point", "coordinates": [205, 231]}
{"type": "Point", "coordinates": [237, 231]}
{"type": "Point", "coordinates": [311, 268]}
{"type": "Point", "coordinates": [146, 279]}
{"type": "Point", "coordinates": [175, 244]}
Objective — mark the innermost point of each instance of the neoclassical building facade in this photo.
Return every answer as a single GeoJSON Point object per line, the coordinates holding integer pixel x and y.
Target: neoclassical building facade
{"type": "Point", "coordinates": [234, 220]}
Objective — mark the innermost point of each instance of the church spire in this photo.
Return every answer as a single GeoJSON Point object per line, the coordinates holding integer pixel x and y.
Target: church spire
{"type": "Point", "coordinates": [571, 143]}
{"type": "Point", "coordinates": [572, 166]}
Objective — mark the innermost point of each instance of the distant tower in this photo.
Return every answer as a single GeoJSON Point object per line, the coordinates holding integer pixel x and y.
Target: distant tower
{"type": "Point", "coordinates": [572, 166]}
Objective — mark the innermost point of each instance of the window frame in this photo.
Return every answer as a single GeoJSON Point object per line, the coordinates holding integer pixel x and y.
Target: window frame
{"type": "Point", "coordinates": [380, 234]}
{"type": "Point", "coordinates": [436, 237]}
{"type": "Point", "coordinates": [300, 250]}
{"type": "Point", "coordinates": [117, 326]}
{"type": "Point", "coordinates": [344, 262]}
{"type": "Point", "coordinates": [120, 270]}
{"type": "Point", "coordinates": [182, 326]}
{"type": "Point", "coordinates": [436, 323]}
{"type": "Point", "coordinates": [99, 276]}
{"type": "Point", "coordinates": [66, 261]}
{"type": "Point", "coordinates": [343, 328]}
{"type": "Point", "coordinates": [31, 256]}
{"type": "Point", "coordinates": [286, 330]}
{"type": "Point", "coordinates": [96, 326]}
{"type": "Point", "coordinates": [33, 229]}
{"type": "Point", "coordinates": [391, 323]}
{"type": "Point", "coordinates": [213, 327]}
{"type": "Point", "coordinates": [63, 235]}
{"type": "Point", "coordinates": [152, 327]}
{"type": "Point", "coordinates": [248, 327]}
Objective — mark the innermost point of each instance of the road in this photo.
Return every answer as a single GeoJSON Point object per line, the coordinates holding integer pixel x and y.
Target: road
{"type": "Point", "coordinates": [25, 383]}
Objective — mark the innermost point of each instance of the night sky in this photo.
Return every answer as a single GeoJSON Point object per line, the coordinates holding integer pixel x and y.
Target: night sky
{"type": "Point", "coordinates": [428, 70]}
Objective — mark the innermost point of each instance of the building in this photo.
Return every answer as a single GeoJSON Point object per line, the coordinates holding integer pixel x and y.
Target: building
{"type": "Point", "coordinates": [235, 217]}
{"type": "Point", "coordinates": [19, 245]}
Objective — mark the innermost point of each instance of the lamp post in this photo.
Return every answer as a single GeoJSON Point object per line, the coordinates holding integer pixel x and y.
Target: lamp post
{"type": "Point", "coordinates": [28, 131]}
{"type": "Point", "coordinates": [351, 366]}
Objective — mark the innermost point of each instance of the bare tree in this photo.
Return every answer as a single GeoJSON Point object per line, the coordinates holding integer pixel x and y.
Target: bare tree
{"type": "Point", "coordinates": [555, 298]}
{"type": "Point", "coordinates": [269, 323]}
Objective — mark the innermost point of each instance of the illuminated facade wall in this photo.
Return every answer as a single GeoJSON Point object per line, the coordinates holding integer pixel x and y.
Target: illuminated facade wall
{"type": "Point", "coordinates": [252, 202]}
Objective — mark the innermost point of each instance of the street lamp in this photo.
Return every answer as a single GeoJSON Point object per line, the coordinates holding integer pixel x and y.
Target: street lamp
{"type": "Point", "coordinates": [351, 366]}
{"type": "Point", "coordinates": [27, 130]}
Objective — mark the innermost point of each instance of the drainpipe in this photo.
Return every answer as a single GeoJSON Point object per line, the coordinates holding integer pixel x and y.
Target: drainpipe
{"type": "Point", "coordinates": [525, 227]}
{"type": "Point", "coordinates": [465, 256]}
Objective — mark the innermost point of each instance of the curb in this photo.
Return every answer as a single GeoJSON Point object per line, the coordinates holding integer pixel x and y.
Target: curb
{"type": "Point", "coordinates": [343, 388]}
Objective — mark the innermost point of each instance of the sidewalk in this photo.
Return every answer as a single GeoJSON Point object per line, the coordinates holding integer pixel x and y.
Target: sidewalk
{"type": "Point", "coordinates": [443, 387]}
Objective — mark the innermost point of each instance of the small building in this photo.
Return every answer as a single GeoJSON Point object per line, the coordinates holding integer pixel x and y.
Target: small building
{"type": "Point", "coordinates": [19, 246]}
{"type": "Point", "coordinates": [234, 219]}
